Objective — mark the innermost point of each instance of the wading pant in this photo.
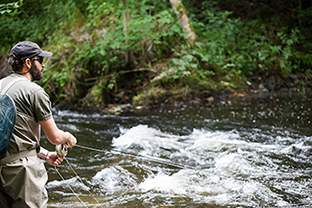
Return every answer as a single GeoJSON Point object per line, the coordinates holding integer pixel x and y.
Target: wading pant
{"type": "Point", "coordinates": [23, 183]}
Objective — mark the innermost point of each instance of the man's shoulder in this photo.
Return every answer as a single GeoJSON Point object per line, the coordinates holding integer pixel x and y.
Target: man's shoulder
{"type": "Point", "coordinates": [23, 84]}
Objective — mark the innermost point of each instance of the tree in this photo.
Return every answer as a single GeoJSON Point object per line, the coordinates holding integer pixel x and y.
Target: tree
{"type": "Point", "coordinates": [184, 20]}
{"type": "Point", "coordinates": [129, 58]}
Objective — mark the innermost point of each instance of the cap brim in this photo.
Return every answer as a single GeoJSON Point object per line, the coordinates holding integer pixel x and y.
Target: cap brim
{"type": "Point", "coordinates": [45, 54]}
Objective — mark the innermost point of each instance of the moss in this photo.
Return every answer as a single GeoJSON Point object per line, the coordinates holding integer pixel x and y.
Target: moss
{"type": "Point", "coordinates": [94, 97]}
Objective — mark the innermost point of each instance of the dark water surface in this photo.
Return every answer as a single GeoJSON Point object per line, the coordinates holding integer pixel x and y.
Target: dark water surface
{"type": "Point", "coordinates": [246, 152]}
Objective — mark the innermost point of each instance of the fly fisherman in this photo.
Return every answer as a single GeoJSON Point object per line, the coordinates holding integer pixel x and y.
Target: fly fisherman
{"type": "Point", "coordinates": [22, 173]}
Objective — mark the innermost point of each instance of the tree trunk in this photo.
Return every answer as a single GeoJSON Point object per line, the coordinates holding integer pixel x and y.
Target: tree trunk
{"type": "Point", "coordinates": [129, 58]}
{"type": "Point", "coordinates": [184, 20]}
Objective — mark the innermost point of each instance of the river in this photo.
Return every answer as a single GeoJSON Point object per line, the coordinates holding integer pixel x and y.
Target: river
{"type": "Point", "coordinates": [242, 152]}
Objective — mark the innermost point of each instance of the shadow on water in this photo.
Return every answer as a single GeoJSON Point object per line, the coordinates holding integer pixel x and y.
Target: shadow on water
{"type": "Point", "coordinates": [246, 152]}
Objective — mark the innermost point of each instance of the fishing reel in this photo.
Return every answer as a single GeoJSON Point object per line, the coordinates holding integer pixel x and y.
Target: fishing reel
{"type": "Point", "coordinates": [61, 150]}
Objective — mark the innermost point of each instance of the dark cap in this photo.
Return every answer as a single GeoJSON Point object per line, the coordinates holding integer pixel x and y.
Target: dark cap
{"type": "Point", "coordinates": [27, 49]}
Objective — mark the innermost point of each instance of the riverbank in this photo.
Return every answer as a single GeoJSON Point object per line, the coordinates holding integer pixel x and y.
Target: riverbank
{"type": "Point", "coordinates": [294, 86]}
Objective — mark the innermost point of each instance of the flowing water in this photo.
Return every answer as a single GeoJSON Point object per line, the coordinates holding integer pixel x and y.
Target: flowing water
{"type": "Point", "coordinates": [246, 152]}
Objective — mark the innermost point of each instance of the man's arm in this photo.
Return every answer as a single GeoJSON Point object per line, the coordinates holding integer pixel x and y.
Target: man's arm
{"type": "Point", "coordinates": [55, 135]}
{"type": "Point", "coordinates": [51, 157]}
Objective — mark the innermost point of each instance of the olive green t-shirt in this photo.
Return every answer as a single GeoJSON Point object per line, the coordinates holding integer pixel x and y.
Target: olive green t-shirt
{"type": "Point", "coordinates": [32, 105]}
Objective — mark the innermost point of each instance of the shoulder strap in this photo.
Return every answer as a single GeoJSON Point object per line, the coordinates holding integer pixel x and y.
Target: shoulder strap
{"type": "Point", "coordinates": [10, 84]}
{"type": "Point", "coordinates": [0, 84]}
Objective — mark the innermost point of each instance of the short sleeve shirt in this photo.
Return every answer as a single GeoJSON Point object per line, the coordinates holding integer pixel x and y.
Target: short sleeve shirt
{"type": "Point", "coordinates": [32, 105]}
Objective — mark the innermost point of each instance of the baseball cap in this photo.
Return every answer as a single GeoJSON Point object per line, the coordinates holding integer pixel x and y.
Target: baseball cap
{"type": "Point", "coordinates": [27, 49]}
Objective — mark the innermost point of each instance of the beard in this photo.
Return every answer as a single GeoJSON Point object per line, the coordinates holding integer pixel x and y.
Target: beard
{"type": "Point", "coordinates": [35, 73]}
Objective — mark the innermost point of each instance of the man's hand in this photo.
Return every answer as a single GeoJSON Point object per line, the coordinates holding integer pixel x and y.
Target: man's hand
{"type": "Point", "coordinates": [53, 158]}
{"type": "Point", "coordinates": [71, 141]}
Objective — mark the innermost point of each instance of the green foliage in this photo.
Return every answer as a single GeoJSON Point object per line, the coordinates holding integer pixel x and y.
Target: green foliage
{"type": "Point", "coordinates": [229, 45]}
{"type": "Point", "coordinates": [10, 7]}
{"type": "Point", "coordinates": [90, 44]}
{"type": "Point", "coordinates": [35, 20]}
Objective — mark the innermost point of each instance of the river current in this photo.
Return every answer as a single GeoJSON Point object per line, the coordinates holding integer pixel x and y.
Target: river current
{"type": "Point", "coordinates": [243, 152]}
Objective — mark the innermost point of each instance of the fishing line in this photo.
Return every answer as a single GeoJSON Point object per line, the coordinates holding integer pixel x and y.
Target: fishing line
{"type": "Point", "coordinates": [81, 180]}
{"type": "Point", "coordinates": [62, 151]}
{"type": "Point", "coordinates": [70, 187]}
{"type": "Point", "coordinates": [158, 160]}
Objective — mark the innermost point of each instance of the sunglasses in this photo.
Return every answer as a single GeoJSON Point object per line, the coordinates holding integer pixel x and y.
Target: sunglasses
{"type": "Point", "coordinates": [40, 59]}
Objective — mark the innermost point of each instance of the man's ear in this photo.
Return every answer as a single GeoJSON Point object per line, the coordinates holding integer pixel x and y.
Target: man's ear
{"type": "Point", "coordinates": [28, 63]}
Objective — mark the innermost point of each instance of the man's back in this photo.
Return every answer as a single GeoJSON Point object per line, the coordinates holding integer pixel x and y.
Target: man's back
{"type": "Point", "coordinates": [33, 105]}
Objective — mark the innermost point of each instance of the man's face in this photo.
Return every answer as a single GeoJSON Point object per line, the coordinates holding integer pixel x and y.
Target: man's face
{"type": "Point", "coordinates": [36, 69]}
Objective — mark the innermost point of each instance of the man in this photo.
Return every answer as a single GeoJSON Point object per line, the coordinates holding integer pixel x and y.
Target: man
{"type": "Point", "coordinates": [22, 173]}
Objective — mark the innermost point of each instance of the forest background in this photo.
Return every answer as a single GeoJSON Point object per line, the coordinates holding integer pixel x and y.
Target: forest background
{"type": "Point", "coordinates": [163, 52]}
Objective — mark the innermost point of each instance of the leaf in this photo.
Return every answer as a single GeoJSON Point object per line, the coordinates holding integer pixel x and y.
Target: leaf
{"type": "Point", "coordinates": [110, 86]}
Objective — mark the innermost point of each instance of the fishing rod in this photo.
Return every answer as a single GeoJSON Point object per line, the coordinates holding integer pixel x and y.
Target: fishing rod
{"type": "Point", "coordinates": [158, 160]}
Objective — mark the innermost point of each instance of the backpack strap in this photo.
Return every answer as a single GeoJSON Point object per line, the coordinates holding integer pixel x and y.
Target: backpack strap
{"type": "Point", "coordinates": [1, 80]}
{"type": "Point", "coordinates": [7, 87]}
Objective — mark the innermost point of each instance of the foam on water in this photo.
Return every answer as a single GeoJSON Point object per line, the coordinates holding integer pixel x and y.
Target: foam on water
{"type": "Point", "coordinates": [114, 180]}
{"type": "Point", "coordinates": [148, 139]}
{"type": "Point", "coordinates": [73, 182]}
{"type": "Point", "coordinates": [243, 173]}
